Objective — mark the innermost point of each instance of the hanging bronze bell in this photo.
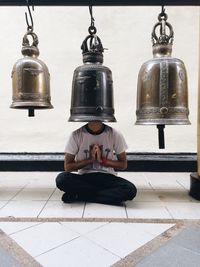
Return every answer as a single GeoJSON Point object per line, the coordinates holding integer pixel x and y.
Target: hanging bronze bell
{"type": "Point", "coordinates": [162, 93]}
{"type": "Point", "coordinates": [92, 86]}
{"type": "Point", "coordinates": [30, 79]}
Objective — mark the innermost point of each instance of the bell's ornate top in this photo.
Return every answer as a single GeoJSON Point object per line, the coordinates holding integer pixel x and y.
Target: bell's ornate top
{"type": "Point", "coordinates": [30, 50]}
{"type": "Point", "coordinates": [162, 44]}
{"type": "Point", "coordinates": [92, 48]}
{"type": "Point", "coordinates": [27, 49]}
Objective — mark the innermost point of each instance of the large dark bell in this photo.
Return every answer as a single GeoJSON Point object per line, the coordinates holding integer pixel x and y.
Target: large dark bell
{"type": "Point", "coordinates": [92, 89]}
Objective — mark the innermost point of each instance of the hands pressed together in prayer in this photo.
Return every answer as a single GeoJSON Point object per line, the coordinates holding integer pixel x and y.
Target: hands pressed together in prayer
{"type": "Point", "coordinates": [96, 153]}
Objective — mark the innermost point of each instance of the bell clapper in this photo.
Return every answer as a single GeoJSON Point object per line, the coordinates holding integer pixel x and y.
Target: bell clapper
{"type": "Point", "coordinates": [31, 112]}
{"type": "Point", "coordinates": [161, 136]}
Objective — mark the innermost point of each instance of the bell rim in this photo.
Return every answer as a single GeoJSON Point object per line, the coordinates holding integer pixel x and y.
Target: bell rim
{"type": "Point", "coordinates": [87, 118]}
{"type": "Point", "coordinates": [30, 105]}
{"type": "Point", "coordinates": [165, 122]}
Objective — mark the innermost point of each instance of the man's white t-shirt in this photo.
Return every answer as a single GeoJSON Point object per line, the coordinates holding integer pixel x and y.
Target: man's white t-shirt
{"type": "Point", "coordinates": [81, 141]}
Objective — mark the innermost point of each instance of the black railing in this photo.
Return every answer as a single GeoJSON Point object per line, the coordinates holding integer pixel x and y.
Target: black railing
{"type": "Point", "coordinates": [138, 162]}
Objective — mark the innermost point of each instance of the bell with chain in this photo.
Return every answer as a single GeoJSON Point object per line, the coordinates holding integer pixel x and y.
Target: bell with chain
{"type": "Point", "coordinates": [162, 93]}
{"type": "Point", "coordinates": [30, 77]}
{"type": "Point", "coordinates": [92, 86]}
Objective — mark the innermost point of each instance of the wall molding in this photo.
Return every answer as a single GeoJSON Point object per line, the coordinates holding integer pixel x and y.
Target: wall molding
{"type": "Point", "coordinates": [137, 162]}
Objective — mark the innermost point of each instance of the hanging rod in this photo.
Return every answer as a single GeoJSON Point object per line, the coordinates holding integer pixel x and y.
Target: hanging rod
{"type": "Point", "coordinates": [103, 3]}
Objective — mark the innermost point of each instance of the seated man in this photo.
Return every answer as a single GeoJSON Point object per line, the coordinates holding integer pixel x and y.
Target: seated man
{"type": "Point", "coordinates": [90, 151]}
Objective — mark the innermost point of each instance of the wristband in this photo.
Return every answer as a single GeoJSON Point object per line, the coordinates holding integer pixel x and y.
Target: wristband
{"type": "Point", "coordinates": [104, 161]}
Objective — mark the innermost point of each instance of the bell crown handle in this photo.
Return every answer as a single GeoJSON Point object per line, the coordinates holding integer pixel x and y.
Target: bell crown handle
{"type": "Point", "coordinates": [92, 43]}
{"type": "Point", "coordinates": [163, 38]}
{"type": "Point", "coordinates": [25, 41]}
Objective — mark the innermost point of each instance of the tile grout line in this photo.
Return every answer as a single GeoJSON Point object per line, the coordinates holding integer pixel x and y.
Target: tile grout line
{"type": "Point", "coordinates": [93, 241]}
{"type": "Point", "coordinates": [181, 185]}
{"type": "Point", "coordinates": [147, 180]}
{"type": "Point", "coordinates": [13, 197]}
{"type": "Point", "coordinates": [46, 203]}
{"type": "Point", "coordinates": [47, 251]}
{"type": "Point", "coordinates": [126, 211]}
{"type": "Point", "coordinates": [169, 212]}
{"type": "Point", "coordinates": [90, 231]}
{"type": "Point", "coordinates": [83, 210]}
{"type": "Point", "coordinates": [24, 228]}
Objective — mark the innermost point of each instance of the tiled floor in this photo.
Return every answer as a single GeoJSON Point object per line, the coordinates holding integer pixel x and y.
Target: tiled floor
{"type": "Point", "coordinates": [160, 195]}
{"type": "Point", "coordinates": [32, 196]}
{"type": "Point", "coordinates": [85, 244]}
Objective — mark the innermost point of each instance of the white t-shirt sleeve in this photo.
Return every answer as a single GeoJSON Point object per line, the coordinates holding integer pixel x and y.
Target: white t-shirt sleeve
{"type": "Point", "coordinates": [120, 144]}
{"type": "Point", "coordinates": [71, 145]}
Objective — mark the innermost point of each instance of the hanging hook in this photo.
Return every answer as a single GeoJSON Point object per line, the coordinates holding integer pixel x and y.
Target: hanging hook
{"type": "Point", "coordinates": [91, 15]}
{"type": "Point", "coordinates": [92, 29]}
{"type": "Point", "coordinates": [162, 15]}
{"type": "Point", "coordinates": [29, 26]}
{"type": "Point", "coordinates": [162, 10]}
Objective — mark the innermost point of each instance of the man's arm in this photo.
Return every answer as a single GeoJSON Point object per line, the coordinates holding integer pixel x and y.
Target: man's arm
{"type": "Point", "coordinates": [71, 165]}
{"type": "Point", "coordinates": [119, 164]}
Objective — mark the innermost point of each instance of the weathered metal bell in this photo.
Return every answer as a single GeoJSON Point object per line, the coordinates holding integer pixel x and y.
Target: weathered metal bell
{"type": "Point", "coordinates": [92, 86]}
{"type": "Point", "coordinates": [162, 93]}
{"type": "Point", "coordinates": [30, 79]}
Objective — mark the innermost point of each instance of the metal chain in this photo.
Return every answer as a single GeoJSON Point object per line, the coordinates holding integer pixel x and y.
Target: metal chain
{"type": "Point", "coordinates": [29, 26]}
{"type": "Point", "coordinates": [92, 29]}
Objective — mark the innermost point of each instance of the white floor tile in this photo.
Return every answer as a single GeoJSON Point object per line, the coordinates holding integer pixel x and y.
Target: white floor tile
{"type": "Point", "coordinates": [42, 179]}
{"type": "Point", "coordinates": [78, 253]}
{"type": "Point", "coordinates": [184, 210]}
{"type": "Point", "coordinates": [137, 178]}
{"type": "Point", "coordinates": [13, 227]}
{"type": "Point", "coordinates": [83, 228]}
{"type": "Point", "coordinates": [154, 229]}
{"type": "Point", "coordinates": [120, 238]}
{"type": "Point", "coordinates": [43, 237]}
{"type": "Point", "coordinates": [15, 177]}
{"type": "Point", "coordinates": [46, 183]}
{"type": "Point", "coordinates": [183, 178]}
{"type": "Point", "coordinates": [173, 195]}
{"type": "Point", "coordinates": [56, 195]}
{"type": "Point", "coordinates": [147, 210]}
{"type": "Point", "coordinates": [61, 244]}
{"type": "Point", "coordinates": [22, 209]}
{"type": "Point", "coordinates": [162, 180]}
{"type": "Point", "coordinates": [147, 195]}
{"type": "Point", "coordinates": [2, 204]}
{"type": "Point", "coordinates": [7, 193]}
{"type": "Point", "coordinates": [95, 210]}
{"type": "Point", "coordinates": [34, 194]}
{"type": "Point", "coordinates": [34, 179]}
{"type": "Point", "coordinates": [59, 209]}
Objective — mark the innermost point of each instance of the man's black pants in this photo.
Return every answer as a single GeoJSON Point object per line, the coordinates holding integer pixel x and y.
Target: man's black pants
{"type": "Point", "coordinates": [96, 187]}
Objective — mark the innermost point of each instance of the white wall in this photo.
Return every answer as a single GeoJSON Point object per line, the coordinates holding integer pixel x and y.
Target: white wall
{"type": "Point", "coordinates": [126, 32]}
